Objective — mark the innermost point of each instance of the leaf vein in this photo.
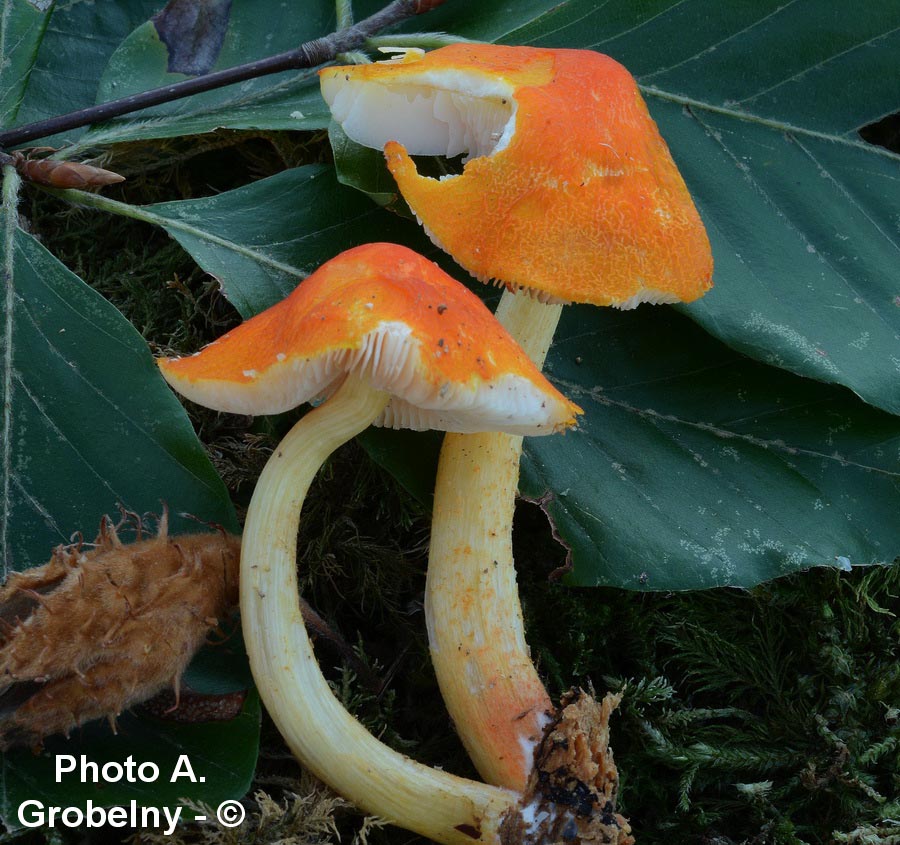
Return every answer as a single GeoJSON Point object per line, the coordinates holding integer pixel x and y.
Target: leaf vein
{"type": "Point", "coordinates": [40, 509]}
{"type": "Point", "coordinates": [597, 395]}
{"type": "Point", "coordinates": [840, 186]}
{"type": "Point", "coordinates": [720, 42]}
{"type": "Point", "coordinates": [819, 64]}
{"type": "Point", "coordinates": [146, 215]}
{"type": "Point", "coordinates": [642, 24]}
{"type": "Point", "coordinates": [63, 437]}
{"type": "Point", "coordinates": [45, 23]}
{"type": "Point", "coordinates": [11, 184]}
{"type": "Point", "coordinates": [793, 227]}
{"type": "Point", "coordinates": [748, 117]}
{"type": "Point", "coordinates": [555, 10]}
{"type": "Point", "coordinates": [137, 426]}
{"type": "Point", "coordinates": [785, 525]}
{"type": "Point", "coordinates": [186, 111]}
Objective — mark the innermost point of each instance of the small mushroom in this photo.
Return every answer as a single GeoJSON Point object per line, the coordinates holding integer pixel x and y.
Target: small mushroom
{"type": "Point", "coordinates": [391, 340]}
{"type": "Point", "coordinates": [569, 194]}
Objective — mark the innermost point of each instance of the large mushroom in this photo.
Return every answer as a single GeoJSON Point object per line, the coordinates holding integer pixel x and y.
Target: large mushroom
{"type": "Point", "coordinates": [391, 340]}
{"type": "Point", "coordinates": [568, 194]}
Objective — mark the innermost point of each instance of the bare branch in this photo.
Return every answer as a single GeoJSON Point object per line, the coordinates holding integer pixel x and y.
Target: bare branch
{"type": "Point", "coordinates": [312, 53]}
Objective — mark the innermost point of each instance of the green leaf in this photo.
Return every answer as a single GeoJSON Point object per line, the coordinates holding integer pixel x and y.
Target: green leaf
{"type": "Point", "coordinates": [480, 20]}
{"type": "Point", "coordinates": [256, 30]}
{"type": "Point", "coordinates": [23, 26]}
{"type": "Point", "coordinates": [806, 251]}
{"type": "Point", "coordinates": [392, 449]}
{"type": "Point", "coordinates": [262, 239]}
{"type": "Point", "coordinates": [697, 467]}
{"type": "Point", "coordinates": [788, 63]}
{"type": "Point", "coordinates": [54, 53]}
{"type": "Point", "coordinates": [694, 466]}
{"type": "Point", "coordinates": [760, 104]}
{"type": "Point", "coordinates": [89, 423]}
{"type": "Point", "coordinates": [364, 169]}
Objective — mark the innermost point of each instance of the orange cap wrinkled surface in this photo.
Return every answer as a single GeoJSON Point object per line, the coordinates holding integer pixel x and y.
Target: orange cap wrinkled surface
{"type": "Point", "coordinates": [584, 203]}
{"type": "Point", "coordinates": [385, 312]}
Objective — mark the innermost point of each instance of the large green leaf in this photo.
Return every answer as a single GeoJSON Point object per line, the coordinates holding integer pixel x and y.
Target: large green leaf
{"type": "Point", "coordinates": [255, 30]}
{"type": "Point", "coordinates": [88, 424]}
{"type": "Point", "coordinates": [23, 26]}
{"type": "Point", "coordinates": [697, 467]}
{"type": "Point", "coordinates": [760, 104]}
{"type": "Point", "coordinates": [806, 252]}
{"type": "Point", "coordinates": [802, 224]}
{"type": "Point", "coordinates": [480, 20]}
{"type": "Point", "coordinates": [817, 65]}
{"type": "Point", "coordinates": [694, 465]}
{"type": "Point", "coordinates": [53, 54]}
{"type": "Point", "coordinates": [261, 240]}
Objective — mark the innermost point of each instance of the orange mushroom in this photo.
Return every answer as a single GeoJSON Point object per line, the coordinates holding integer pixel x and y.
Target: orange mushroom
{"type": "Point", "coordinates": [569, 193]}
{"type": "Point", "coordinates": [568, 180]}
{"type": "Point", "coordinates": [391, 339]}
{"type": "Point", "coordinates": [383, 314]}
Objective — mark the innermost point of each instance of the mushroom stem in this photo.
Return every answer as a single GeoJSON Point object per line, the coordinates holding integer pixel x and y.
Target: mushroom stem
{"type": "Point", "coordinates": [323, 735]}
{"type": "Point", "coordinates": [475, 629]}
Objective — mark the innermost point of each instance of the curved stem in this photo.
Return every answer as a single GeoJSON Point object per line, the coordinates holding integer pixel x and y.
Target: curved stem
{"type": "Point", "coordinates": [492, 690]}
{"type": "Point", "coordinates": [317, 728]}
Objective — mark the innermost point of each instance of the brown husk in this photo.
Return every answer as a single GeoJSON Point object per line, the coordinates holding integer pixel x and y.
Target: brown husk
{"type": "Point", "coordinates": [104, 626]}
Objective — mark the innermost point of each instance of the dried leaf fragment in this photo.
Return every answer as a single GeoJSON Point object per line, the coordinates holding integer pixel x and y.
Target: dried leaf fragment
{"type": "Point", "coordinates": [102, 627]}
{"type": "Point", "coordinates": [193, 32]}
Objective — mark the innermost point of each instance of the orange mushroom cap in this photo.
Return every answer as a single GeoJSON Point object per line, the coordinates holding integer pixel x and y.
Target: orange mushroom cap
{"type": "Point", "coordinates": [384, 312]}
{"type": "Point", "coordinates": [569, 189]}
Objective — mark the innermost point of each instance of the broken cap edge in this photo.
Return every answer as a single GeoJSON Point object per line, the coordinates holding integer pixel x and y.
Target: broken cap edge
{"type": "Point", "coordinates": [584, 150]}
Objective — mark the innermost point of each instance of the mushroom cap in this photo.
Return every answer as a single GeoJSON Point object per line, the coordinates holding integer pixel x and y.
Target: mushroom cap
{"type": "Point", "coordinates": [569, 189]}
{"type": "Point", "coordinates": [383, 312]}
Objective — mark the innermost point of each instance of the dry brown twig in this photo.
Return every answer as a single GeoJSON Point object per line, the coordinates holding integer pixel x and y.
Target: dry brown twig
{"type": "Point", "coordinates": [307, 55]}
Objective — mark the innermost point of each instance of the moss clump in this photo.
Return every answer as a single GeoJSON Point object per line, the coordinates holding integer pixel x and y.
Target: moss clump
{"type": "Point", "coordinates": [762, 716]}
{"type": "Point", "coordinates": [287, 812]}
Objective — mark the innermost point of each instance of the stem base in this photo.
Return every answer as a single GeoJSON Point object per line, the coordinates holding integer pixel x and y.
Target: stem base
{"type": "Point", "coordinates": [574, 785]}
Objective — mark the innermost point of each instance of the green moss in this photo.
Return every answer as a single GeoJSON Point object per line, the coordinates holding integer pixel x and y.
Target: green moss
{"type": "Point", "coordinates": [769, 715]}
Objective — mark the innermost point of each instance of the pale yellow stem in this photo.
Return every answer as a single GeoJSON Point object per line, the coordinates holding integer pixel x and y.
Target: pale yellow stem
{"type": "Point", "coordinates": [320, 732]}
{"type": "Point", "coordinates": [492, 690]}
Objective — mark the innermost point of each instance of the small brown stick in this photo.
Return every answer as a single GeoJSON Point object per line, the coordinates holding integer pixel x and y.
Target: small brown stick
{"type": "Point", "coordinates": [322, 629]}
